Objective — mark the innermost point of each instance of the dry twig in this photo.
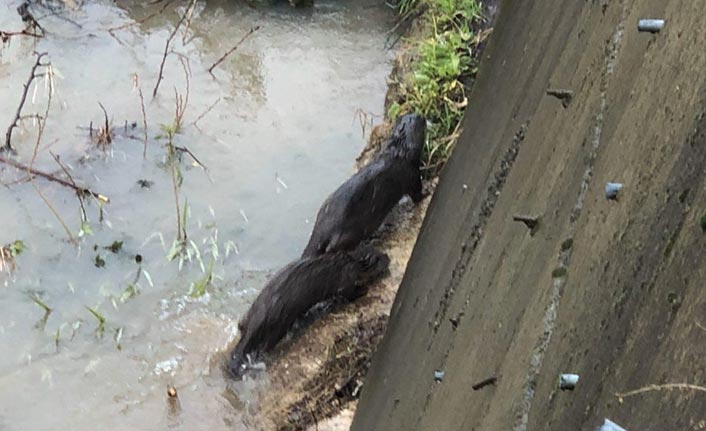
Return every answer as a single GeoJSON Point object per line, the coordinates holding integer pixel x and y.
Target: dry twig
{"type": "Point", "coordinates": [144, 123]}
{"type": "Point", "coordinates": [79, 195]}
{"type": "Point", "coordinates": [33, 172]}
{"type": "Point", "coordinates": [230, 51]}
{"type": "Point", "coordinates": [40, 132]}
{"type": "Point", "coordinates": [187, 151]}
{"type": "Point", "coordinates": [183, 101]}
{"type": "Point", "coordinates": [32, 76]}
{"type": "Point", "coordinates": [104, 135]}
{"type": "Point", "coordinates": [5, 36]}
{"type": "Point", "coordinates": [166, 52]}
{"type": "Point", "coordinates": [204, 113]}
{"type": "Point", "coordinates": [139, 21]}
{"type": "Point", "coordinates": [189, 15]}
{"type": "Point", "coordinates": [663, 387]}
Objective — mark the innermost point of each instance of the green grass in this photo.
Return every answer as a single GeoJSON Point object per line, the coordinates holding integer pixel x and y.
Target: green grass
{"type": "Point", "coordinates": [99, 317]}
{"type": "Point", "coordinates": [37, 300]}
{"type": "Point", "coordinates": [559, 272]}
{"type": "Point", "coordinates": [443, 60]}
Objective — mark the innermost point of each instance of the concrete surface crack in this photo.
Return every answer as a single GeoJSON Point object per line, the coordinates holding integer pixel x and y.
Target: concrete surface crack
{"type": "Point", "coordinates": [476, 232]}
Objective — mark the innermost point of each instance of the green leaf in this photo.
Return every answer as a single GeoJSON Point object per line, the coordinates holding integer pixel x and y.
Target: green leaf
{"type": "Point", "coordinates": [131, 291]}
{"type": "Point", "coordinates": [98, 261]}
{"type": "Point", "coordinates": [85, 230]}
{"type": "Point", "coordinates": [115, 247]}
{"type": "Point", "coordinates": [17, 247]}
{"type": "Point", "coordinates": [37, 300]}
{"type": "Point", "coordinates": [198, 288]}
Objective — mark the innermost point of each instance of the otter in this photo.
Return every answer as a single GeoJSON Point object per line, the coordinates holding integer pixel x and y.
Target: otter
{"type": "Point", "coordinates": [358, 207]}
{"type": "Point", "coordinates": [294, 290]}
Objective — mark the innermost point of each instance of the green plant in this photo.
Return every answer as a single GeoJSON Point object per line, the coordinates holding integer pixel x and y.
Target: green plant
{"type": "Point", "coordinates": [98, 261]}
{"type": "Point", "coordinates": [198, 288]}
{"type": "Point", "coordinates": [443, 60]}
{"type": "Point", "coordinates": [567, 244]}
{"type": "Point", "coordinates": [16, 248]}
{"type": "Point", "coordinates": [99, 317]}
{"type": "Point", "coordinates": [559, 272]}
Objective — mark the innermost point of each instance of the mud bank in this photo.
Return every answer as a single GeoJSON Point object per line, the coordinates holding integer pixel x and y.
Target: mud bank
{"type": "Point", "coordinates": [610, 290]}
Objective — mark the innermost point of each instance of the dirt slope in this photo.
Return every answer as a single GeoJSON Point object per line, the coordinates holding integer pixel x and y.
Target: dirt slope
{"type": "Point", "coordinates": [611, 290]}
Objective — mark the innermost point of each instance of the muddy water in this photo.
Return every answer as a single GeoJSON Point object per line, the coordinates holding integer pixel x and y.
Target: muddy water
{"type": "Point", "coordinates": [280, 137]}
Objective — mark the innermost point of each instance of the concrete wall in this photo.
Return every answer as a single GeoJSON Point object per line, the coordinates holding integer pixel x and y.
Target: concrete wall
{"type": "Point", "coordinates": [482, 297]}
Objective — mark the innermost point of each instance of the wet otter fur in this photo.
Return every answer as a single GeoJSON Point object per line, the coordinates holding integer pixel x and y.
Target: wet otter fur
{"type": "Point", "coordinates": [294, 290]}
{"type": "Point", "coordinates": [358, 207]}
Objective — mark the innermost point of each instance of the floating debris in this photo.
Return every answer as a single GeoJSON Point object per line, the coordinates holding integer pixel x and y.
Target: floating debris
{"type": "Point", "coordinates": [167, 367]}
{"type": "Point", "coordinates": [567, 382]}
{"type": "Point", "coordinates": [609, 425]}
{"type": "Point", "coordinates": [612, 190]}
{"type": "Point", "coordinates": [439, 375]}
{"type": "Point", "coordinates": [650, 25]}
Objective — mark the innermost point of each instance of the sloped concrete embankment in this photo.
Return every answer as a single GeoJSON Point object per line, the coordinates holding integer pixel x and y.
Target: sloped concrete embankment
{"type": "Point", "coordinates": [610, 290]}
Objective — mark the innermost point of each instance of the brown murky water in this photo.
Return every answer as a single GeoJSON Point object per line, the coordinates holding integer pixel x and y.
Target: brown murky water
{"type": "Point", "coordinates": [281, 137]}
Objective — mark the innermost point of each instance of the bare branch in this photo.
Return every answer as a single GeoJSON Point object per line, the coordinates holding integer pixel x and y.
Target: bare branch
{"type": "Point", "coordinates": [230, 51]}
{"type": "Point", "coordinates": [139, 21]}
{"type": "Point", "coordinates": [166, 52]}
{"type": "Point", "coordinates": [204, 113]}
{"type": "Point", "coordinates": [664, 387]}
{"type": "Point", "coordinates": [104, 135]}
{"type": "Point", "coordinates": [40, 133]}
{"type": "Point", "coordinates": [50, 177]}
{"type": "Point", "coordinates": [6, 35]}
{"type": "Point", "coordinates": [84, 218]}
{"type": "Point", "coordinates": [187, 151]}
{"type": "Point", "coordinates": [32, 76]}
{"type": "Point", "coordinates": [189, 15]}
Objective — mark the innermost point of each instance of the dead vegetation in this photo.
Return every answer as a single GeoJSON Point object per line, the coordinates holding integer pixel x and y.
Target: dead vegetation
{"type": "Point", "coordinates": [23, 99]}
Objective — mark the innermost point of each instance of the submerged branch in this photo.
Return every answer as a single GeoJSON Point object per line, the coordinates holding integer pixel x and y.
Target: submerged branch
{"type": "Point", "coordinates": [55, 179]}
{"type": "Point", "coordinates": [5, 36]}
{"type": "Point", "coordinates": [230, 51]}
{"type": "Point", "coordinates": [142, 20]}
{"type": "Point", "coordinates": [40, 132]}
{"type": "Point", "coordinates": [63, 167]}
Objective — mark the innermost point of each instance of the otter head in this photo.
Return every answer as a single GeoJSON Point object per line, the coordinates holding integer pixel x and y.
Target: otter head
{"type": "Point", "coordinates": [244, 354]}
{"type": "Point", "coordinates": [372, 264]}
{"type": "Point", "coordinates": [408, 135]}
{"type": "Point", "coordinates": [237, 363]}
